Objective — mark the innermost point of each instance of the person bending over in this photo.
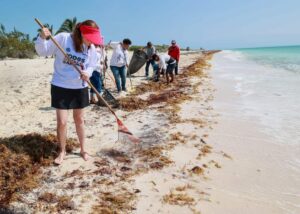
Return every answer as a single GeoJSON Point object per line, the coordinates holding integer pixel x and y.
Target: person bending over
{"type": "Point", "coordinates": [167, 63]}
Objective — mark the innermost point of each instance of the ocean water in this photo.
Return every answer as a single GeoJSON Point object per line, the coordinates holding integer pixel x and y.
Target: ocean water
{"type": "Point", "coordinates": [269, 81]}
{"type": "Point", "coordinates": [262, 88]}
{"type": "Point", "coordinates": [287, 58]}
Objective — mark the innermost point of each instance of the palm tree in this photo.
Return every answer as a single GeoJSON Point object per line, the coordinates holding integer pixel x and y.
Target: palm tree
{"type": "Point", "coordinates": [67, 26]}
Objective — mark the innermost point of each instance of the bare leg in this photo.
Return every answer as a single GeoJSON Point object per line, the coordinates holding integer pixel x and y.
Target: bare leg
{"type": "Point", "coordinates": [172, 77]}
{"type": "Point", "coordinates": [61, 118]}
{"type": "Point", "coordinates": [167, 76]}
{"type": "Point", "coordinates": [79, 123]}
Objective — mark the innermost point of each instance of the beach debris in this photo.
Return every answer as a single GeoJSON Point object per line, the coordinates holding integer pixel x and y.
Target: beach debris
{"type": "Point", "coordinates": [55, 203]}
{"type": "Point", "coordinates": [178, 136]}
{"type": "Point", "coordinates": [111, 202]}
{"type": "Point", "coordinates": [84, 184]}
{"type": "Point", "coordinates": [117, 155]}
{"type": "Point", "coordinates": [206, 149]}
{"type": "Point", "coordinates": [216, 164]}
{"type": "Point", "coordinates": [74, 173]}
{"type": "Point", "coordinates": [184, 188]}
{"type": "Point", "coordinates": [180, 199]}
{"type": "Point", "coordinates": [202, 141]}
{"type": "Point", "coordinates": [21, 160]}
{"type": "Point", "coordinates": [197, 170]}
{"type": "Point", "coordinates": [104, 171]}
{"type": "Point", "coordinates": [226, 155]}
{"type": "Point", "coordinates": [65, 203]}
{"type": "Point", "coordinates": [156, 165]}
{"type": "Point", "coordinates": [48, 197]}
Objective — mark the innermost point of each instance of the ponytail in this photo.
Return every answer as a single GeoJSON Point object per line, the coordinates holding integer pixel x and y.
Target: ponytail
{"type": "Point", "coordinates": [77, 38]}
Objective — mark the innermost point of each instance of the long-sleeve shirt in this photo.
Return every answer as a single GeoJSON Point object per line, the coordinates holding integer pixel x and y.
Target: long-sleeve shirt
{"type": "Point", "coordinates": [174, 51]}
{"type": "Point", "coordinates": [164, 59]}
{"type": "Point", "coordinates": [120, 56]}
{"type": "Point", "coordinates": [65, 75]}
{"type": "Point", "coordinates": [100, 59]}
{"type": "Point", "coordinates": [150, 51]}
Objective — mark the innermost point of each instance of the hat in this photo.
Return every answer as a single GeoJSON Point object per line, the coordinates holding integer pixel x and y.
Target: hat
{"type": "Point", "coordinates": [91, 34]}
{"type": "Point", "coordinates": [173, 42]}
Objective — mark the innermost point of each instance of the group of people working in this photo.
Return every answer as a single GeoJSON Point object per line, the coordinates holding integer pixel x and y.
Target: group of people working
{"type": "Point", "coordinates": [162, 64]}
{"type": "Point", "coordinates": [85, 48]}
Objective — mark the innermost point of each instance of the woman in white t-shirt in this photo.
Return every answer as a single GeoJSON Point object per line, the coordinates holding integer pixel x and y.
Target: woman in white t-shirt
{"type": "Point", "coordinates": [69, 88]}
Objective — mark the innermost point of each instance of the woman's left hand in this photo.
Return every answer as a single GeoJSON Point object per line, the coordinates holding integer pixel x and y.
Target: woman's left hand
{"type": "Point", "coordinates": [85, 76]}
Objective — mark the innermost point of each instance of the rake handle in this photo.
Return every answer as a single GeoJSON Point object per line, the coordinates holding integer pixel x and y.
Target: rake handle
{"type": "Point", "coordinates": [77, 69]}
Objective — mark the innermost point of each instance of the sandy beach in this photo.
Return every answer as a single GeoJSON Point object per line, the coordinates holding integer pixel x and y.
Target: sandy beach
{"type": "Point", "coordinates": [199, 153]}
{"type": "Point", "coordinates": [163, 174]}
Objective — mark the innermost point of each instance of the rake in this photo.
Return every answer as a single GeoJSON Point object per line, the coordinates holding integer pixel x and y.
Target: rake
{"type": "Point", "coordinates": [122, 129]}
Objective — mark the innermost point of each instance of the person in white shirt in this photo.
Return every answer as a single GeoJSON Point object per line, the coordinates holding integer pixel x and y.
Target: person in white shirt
{"type": "Point", "coordinates": [96, 78]}
{"type": "Point", "coordinates": [165, 63]}
{"type": "Point", "coordinates": [69, 88]}
{"type": "Point", "coordinates": [119, 61]}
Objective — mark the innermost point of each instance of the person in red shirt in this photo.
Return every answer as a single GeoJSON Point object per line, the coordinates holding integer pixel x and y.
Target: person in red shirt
{"type": "Point", "coordinates": [174, 52]}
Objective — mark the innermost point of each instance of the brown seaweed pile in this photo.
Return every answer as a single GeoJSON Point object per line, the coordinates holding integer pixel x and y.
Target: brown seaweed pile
{"type": "Point", "coordinates": [180, 199]}
{"type": "Point", "coordinates": [21, 160]}
{"type": "Point", "coordinates": [172, 93]}
{"type": "Point", "coordinates": [111, 203]}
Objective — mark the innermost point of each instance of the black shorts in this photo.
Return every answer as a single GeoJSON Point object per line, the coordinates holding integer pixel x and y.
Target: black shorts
{"type": "Point", "coordinates": [170, 68]}
{"type": "Point", "coordinates": [64, 98]}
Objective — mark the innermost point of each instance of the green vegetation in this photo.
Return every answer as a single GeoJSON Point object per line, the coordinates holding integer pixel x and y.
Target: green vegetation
{"type": "Point", "coordinates": [15, 44]}
{"type": "Point", "coordinates": [159, 48]}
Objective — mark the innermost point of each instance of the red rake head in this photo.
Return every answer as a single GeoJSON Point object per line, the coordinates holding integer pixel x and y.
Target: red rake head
{"type": "Point", "coordinates": [123, 129]}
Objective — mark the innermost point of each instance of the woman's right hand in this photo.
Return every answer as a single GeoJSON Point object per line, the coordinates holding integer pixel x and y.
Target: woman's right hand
{"type": "Point", "coordinates": [45, 33]}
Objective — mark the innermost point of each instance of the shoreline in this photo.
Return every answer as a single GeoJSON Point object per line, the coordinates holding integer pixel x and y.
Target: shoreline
{"type": "Point", "coordinates": [258, 177]}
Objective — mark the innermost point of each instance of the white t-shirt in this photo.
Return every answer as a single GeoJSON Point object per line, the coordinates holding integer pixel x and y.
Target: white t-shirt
{"type": "Point", "coordinates": [119, 57]}
{"type": "Point", "coordinates": [65, 75]}
{"type": "Point", "coordinates": [163, 59]}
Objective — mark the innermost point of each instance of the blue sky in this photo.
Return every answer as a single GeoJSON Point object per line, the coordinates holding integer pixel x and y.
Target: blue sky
{"type": "Point", "coordinates": [222, 24]}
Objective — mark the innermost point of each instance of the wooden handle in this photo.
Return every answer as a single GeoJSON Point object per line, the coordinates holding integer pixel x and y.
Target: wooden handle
{"type": "Point", "coordinates": [77, 69]}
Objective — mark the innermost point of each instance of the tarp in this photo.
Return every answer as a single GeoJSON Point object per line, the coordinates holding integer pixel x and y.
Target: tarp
{"type": "Point", "coordinates": [138, 60]}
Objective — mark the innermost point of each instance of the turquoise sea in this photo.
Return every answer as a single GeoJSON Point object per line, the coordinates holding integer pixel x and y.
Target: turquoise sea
{"type": "Point", "coordinates": [284, 57]}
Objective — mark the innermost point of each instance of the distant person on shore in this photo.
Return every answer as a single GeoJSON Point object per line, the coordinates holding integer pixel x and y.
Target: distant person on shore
{"type": "Point", "coordinates": [165, 63]}
{"type": "Point", "coordinates": [69, 88]}
{"type": "Point", "coordinates": [96, 78]}
{"type": "Point", "coordinates": [174, 51]}
{"type": "Point", "coordinates": [119, 61]}
{"type": "Point", "coordinates": [150, 51]}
